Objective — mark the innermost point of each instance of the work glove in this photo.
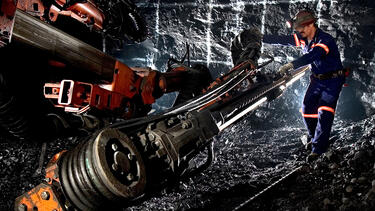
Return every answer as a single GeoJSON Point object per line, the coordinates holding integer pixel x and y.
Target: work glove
{"type": "Point", "coordinates": [285, 68]}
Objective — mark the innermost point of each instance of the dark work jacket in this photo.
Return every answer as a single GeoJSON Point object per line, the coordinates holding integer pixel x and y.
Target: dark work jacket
{"type": "Point", "coordinates": [322, 52]}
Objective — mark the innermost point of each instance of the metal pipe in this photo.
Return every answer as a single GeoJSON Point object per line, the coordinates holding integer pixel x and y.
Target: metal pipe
{"type": "Point", "coordinates": [32, 32]}
{"type": "Point", "coordinates": [223, 125]}
{"type": "Point", "coordinates": [294, 172]}
{"type": "Point", "coordinates": [227, 114]}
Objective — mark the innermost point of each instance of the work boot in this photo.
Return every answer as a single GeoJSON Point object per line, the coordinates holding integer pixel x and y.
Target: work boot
{"type": "Point", "coordinates": [306, 141]}
{"type": "Point", "coordinates": [312, 157]}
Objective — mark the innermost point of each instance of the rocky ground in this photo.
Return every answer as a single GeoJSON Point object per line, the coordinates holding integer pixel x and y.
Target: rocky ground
{"type": "Point", "coordinates": [250, 156]}
{"type": "Point", "coordinates": [342, 179]}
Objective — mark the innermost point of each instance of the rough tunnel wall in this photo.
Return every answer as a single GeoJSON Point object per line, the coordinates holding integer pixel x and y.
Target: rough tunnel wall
{"type": "Point", "coordinates": [208, 27]}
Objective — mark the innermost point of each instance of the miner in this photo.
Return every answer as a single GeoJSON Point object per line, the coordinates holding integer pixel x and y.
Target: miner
{"type": "Point", "coordinates": [326, 80]}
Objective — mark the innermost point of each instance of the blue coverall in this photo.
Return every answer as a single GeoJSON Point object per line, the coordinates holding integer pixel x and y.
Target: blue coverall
{"type": "Point", "coordinates": [321, 97]}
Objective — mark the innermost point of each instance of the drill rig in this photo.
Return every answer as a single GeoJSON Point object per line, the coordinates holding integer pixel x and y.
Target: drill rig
{"type": "Point", "coordinates": [124, 161]}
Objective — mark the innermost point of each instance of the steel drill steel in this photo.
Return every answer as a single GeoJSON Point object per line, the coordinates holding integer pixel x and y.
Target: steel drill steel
{"type": "Point", "coordinates": [268, 188]}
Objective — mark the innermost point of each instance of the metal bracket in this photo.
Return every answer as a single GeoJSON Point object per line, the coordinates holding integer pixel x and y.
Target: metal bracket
{"type": "Point", "coordinates": [7, 17]}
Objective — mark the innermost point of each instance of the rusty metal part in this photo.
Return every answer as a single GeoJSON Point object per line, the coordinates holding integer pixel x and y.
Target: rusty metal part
{"type": "Point", "coordinates": [85, 12]}
{"type": "Point", "coordinates": [149, 87]}
{"type": "Point", "coordinates": [7, 14]}
{"type": "Point", "coordinates": [46, 196]}
{"type": "Point", "coordinates": [90, 13]}
{"type": "Point", "coordinates": [33, 7]}
{"type": "Point", "coordinates": [126, 92]}
{"type": "Point", "coordinates": [33, 32]}
{"type": "Point", "coordinates": [172, 81]}
{"type": "Point", "coordinates": [43, 197]}
{"type": "Point", "coordinates": [102, 170]}
{"type": "Point", "coordinates": [52, 168]}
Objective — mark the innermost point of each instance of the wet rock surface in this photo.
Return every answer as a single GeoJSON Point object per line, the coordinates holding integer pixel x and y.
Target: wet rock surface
{"type": "Point", "coordinates": [265, 145]}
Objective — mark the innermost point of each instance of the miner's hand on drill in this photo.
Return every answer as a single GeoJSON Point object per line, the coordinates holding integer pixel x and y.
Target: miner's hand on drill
{"type": "Point", "coordinates": [285, 68]}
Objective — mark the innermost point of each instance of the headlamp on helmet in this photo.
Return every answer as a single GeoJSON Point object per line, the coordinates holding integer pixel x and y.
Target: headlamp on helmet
{"type": "Point", "coordinates": [289, 24]}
